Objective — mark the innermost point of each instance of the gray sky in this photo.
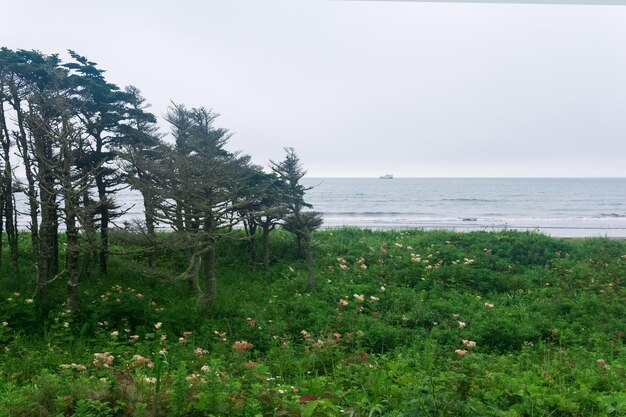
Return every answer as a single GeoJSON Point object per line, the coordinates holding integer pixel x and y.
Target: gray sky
{"type": "Point", "coordinates": [363, 88]}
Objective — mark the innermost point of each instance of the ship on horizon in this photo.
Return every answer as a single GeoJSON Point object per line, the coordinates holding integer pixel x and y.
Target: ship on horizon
{"type": "Point", "coordinates": [386, 177]}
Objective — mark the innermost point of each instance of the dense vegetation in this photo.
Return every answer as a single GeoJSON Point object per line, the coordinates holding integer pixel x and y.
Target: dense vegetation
{"type": "Point", "coordinates": [403, 323]}
{"type": "Point", "coordinates": [78, 140]}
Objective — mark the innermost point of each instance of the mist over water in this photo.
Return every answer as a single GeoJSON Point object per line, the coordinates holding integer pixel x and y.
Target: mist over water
{"type": "Point", "coordinates": [562, 207]}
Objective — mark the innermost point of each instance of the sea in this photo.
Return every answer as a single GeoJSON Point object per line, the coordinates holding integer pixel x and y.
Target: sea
{"type": "Point", "coordinates": [560, 207]}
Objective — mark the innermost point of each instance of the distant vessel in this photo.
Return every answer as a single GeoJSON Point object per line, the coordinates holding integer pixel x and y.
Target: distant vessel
{"type": "Point", "coordinates": [386, 177]}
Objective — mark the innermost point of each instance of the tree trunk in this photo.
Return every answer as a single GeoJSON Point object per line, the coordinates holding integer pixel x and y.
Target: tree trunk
{"type": "Point", "coordinates": [210, 283]}
{"type": "Point", "coordinates": [73, 252]}
{"type": "Point", "coordinates": [12, 233]}
{"type": "Point", "coordinates": [265, 238]}
{"type": "Point", "coordinates": [103, 249]}
{"type": "Point", "coordinates": [148, 204]}
{"type": "Point", "coordinates": [90, 234]}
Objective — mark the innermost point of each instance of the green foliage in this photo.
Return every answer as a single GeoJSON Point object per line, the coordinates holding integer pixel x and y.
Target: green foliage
{"type": "Point", "coordinates": [402, 323]}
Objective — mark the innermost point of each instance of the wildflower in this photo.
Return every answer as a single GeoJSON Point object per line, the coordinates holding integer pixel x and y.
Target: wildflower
{"type": "Point", "coordinates": [602, 363]}
{"type": "Point", "coordinates": [221, 335]}
{"type": "Point", "coordinates": [134, 337]}
{"type": "Point", "coordinates": [469, 343]}
{"type": "Point", "coordinates": [28, 300]}
{"type": "Point", "coordinates": [66, 324]}
{"type": "Point", "coordinates": [341, 260]}
{"type": "Point", "coordinates": [158, 325]}
{"type": "Point", "coordinates": [318, 344]}
{"type": "Point", "coordinates": [242, 345]}
{"type": "Point", "coordinates": [461, 352]}
{"type": "Point", "coordinates": [360, 309]}
{"type": "Point", "coordinates": [186, 334]}
{"type": "Point", "coordinates": [342, 303]}
{"type": "Point", "coordinates": [149, 380]}
{"type": "Point", "coordinates": [115, 333]}
{"type": "Point", "coordinates": [344, 267]}
{"type": "Point", "coordinates": [205, 368]}
{"type": "Point", "coordinates": [163, 337]}
{"type": "Point", "coordinates": [305, 334]}
{"type": "Point", "coordinates": [75, 366]}
{"type": "Point", "coordinates": [489, 306]}
{"type": "Point", "coordinates": [5, 323]}
{"type": "Point", "coordinates": [141, 361]}
{"type": "Point", "coordinates": [16, 294]}
{"type": "Point", "coordinates": [374, 298]}
{"type": "Point", "coordinates": [409, 247]}
{"type": "Point", "coordinates": [359, 297]}
{"type": "Point", "coordinates": [462, 324]}
{"type": "Point", "coordinates": [382, 288]}
{"type": "Point", "coordinates": [251, 322]}
{"type": "Point", "coordinates": [397, 245]}
{"type": "Point", "coordinates": [182, 340]}
{"type": "Point", "coordinates": [199, 351]}
{"type": "Point", "coordinates": [405, 317]}
{"type": "Point", "coordinates": [139, 296]}
{"type": "Point", "coordinates": [363, 267]}
{"type": "Point", "coordinates": [103, 360]}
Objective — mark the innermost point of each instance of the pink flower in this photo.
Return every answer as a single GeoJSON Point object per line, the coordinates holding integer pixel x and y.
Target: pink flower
{"type": "Point", "coordinates": [141, 361]}
{"type": "Point", "coordinates": [489, 306]}
{"type": "Point", "coordinates": [461, 352]}
{"type": "Point", "coordinates": [103, 360]}
{"type": "Point", "coordinates": [199, 351]}
{"type": "Point", "coordinates": [158, 325]}
{"type": "Point", "coordinates": [359, 297]}
{"type": "Point", "coordinates": [342, 303]}
{"type": "Point", "coordinates": [241, 346]}
{"type": "Point", "coordinates": [469, 343]}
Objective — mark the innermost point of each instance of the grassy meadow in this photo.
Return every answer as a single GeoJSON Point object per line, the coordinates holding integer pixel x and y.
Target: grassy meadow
{"type": "Point", "coordinates": [401, 323]}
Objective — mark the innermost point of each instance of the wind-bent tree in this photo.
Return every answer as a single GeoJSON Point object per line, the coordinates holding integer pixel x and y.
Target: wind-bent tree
{"type": "Point", "coordinates": [198, 188]}
{"type": "Point", "coordinates": [264, 209]}
{"type": "Point", "coordinates": [101, 107]}
{"type": "Point", "coordinates": [139, 150]}
{"type": "Point", "coordinates": [7, 200]}
{"type": "Point", "coordinates": [30, 81]}
{"type": "Point", "coordinates": [299, 222]}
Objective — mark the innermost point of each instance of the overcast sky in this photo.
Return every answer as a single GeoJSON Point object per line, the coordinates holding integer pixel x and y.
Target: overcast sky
{"type": "Point", "coordinates": [364, 88]}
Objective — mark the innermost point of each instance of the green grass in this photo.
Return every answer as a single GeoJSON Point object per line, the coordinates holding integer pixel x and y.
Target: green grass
{"type": "Point", "coordinates": [382, 334]}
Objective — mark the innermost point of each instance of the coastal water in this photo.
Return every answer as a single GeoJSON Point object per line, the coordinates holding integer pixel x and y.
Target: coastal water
{"type": "Point", "coordinates": [563, 207]}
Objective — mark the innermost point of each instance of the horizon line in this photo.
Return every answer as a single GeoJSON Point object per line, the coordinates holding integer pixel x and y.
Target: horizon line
{"type": "Point", "coordinates": [563, 2]}
{"type": "Point", "coordinates": [465, 177]}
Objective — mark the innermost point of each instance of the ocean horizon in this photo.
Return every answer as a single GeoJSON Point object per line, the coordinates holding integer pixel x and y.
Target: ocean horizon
{"type": "Point", "coordinates": [560, 207]}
